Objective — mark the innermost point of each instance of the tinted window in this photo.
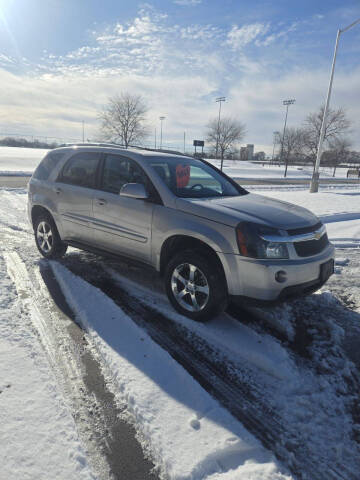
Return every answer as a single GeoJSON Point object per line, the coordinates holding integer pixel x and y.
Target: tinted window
{"type": "Point", "coordinates": [162, 169]}
{"type": "Point", "coordinates": [118, 171]}
{"type": "Point", "coordinates": [47, 165]}
{"type": "Point", "coordinates": [81, 170]}
{"type": "Point", "coordinates": [191, 178]}
{"type": "Point", "coordinates": [115, 173]}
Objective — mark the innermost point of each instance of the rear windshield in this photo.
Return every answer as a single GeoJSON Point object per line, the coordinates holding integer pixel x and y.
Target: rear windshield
{"type": "Point", "coordinates": [192, 178]}
{"type": "Point", "coordinates": [46, 165]}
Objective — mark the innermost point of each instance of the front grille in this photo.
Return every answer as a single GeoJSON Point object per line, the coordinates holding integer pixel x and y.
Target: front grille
{"type": "Point", "coordinates": [311, 247]}
{"type": "Point", "coordinates": [300, 231]}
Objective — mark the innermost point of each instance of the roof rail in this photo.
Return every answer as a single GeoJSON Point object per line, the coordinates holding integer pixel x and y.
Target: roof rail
{"type": "Point", "coordinates": [93, 144]}
{"type": "Point", "coordinates": [160, 150]}
{"type": "Point", "coordinates": [120, 146]}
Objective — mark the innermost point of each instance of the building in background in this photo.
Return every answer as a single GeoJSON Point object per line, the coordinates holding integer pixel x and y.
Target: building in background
{"type": "Point", "coordinates": [250, 150]}
{"type": "Point", "coordinates": [247, 153]}
{"type": "Point", "coordinates": [243, 153]}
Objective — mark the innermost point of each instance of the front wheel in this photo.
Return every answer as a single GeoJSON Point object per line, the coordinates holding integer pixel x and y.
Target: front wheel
{"type": "Point", "coordinates": [195, 286]}
{"type": "Point", "coordinates": [47, 237]}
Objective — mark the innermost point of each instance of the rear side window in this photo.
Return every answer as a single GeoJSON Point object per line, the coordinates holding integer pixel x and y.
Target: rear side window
{"type": "Point", "coordinates": [81, 170]}
{"type": "Point", "coordinates": [46, 165]}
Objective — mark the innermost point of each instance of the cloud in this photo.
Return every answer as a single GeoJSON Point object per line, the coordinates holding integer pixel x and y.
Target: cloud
{"type": "Point", "coordinates": [6, 60]}
{"type": "Point", "coordinates": [260, 100]}
{"type": "Point", "coordinates": [238, 37]}
{"type": "Point", "coordinates": [147, 44]}
{"type": "Point", "coordinates": [187, 3]}
{"type": "Point", "coordinates": [276, 35]}
{"type": "Point", "coordinates": [180, 70]}
{"type": "Point", "coordinates": [203, 32]}
{"type": "Point", "coordinates": [55, 105]}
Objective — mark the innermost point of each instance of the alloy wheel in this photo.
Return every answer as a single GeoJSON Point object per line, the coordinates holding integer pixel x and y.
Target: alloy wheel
{"type": "Point", "coordinates": [44, 236]}
{"type": "Point", "coordinates": [190, 287]}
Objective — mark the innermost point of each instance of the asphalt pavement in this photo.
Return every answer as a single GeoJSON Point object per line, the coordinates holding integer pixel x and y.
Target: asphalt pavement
{"type": "Point", "coordinates": [114, 437]}
{"type": "Point", "coordinates": [13, 181]}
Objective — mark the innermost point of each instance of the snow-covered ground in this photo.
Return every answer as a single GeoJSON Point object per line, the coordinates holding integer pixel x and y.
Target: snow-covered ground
{"type": "Point", "coordinates": [338, 209]}
{"type": "Point", "coordinates": [186, 432]}
{"type": "Point", "coordinates": [189, 435]}
{"type": "Point", "coordinates": [20, 161]}
{"type": "Point", "coordinates": [246, 170]}
{"type": "Point", "coordinates": [38, 437]}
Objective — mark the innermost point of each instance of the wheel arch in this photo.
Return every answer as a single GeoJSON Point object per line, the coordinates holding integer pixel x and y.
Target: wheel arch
{"type": "Point", "coordinates": [175, 243]}
{"type": "Point", "coordinates": [38, 210]}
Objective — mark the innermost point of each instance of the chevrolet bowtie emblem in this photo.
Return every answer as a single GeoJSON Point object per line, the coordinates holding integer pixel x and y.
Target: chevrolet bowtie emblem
{"type": "Point", "coordinates": [317, 235]}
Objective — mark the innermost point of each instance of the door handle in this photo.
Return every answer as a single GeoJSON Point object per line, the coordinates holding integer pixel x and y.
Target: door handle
{"type": "Point", "coordinates": [101, 201]}
{"type": "Point", "coordinates": [57, 190]}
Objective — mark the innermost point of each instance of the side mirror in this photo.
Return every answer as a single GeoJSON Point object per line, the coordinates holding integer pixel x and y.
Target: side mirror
{"type": "Point", "coordinates": [134, 190]}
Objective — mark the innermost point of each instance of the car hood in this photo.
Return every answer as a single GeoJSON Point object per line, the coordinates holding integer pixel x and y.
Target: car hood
{"type": "Point", "coordinates": [250, 208]}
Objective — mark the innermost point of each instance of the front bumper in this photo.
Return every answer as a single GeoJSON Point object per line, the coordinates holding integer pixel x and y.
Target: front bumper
{"type": "Point", "coordinates": [255, 279]}
{"type": "Point", "coordinates": [287, 293]}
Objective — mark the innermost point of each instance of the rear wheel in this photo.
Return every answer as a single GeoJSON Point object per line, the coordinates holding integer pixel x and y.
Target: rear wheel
{"type": "Point", "coordinates": [47, 237]}
{"type": "Point", "coordinates": [195, 286]}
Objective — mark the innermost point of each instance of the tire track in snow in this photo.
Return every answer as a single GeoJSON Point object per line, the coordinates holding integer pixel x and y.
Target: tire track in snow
{"type": "Point", "coordinates": [92, 406]}
{"type": "Point", "coordinates": [242, 397]}
{"type": "Point", "coordinates": [68, 374]}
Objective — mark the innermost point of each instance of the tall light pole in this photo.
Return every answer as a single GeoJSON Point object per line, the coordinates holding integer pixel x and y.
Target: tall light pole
{"type": "Point", "coordinates": [161, 122]}
{"type": "Point", "coordinates": [276, 134]}
{"type": "Point", "coordinates": [314, 185]}
{"type": "Point", "coordinates": [83, 131]}
{"type": "Point", "coordinates": [219, 100]}
{"type": "Point", "coordinates": [287, 103]}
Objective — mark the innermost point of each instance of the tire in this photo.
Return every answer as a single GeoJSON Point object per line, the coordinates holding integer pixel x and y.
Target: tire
{"type": "Point", "coordinates": [195, 286]}
{"type": "Point", "coordinates": [47, 237]}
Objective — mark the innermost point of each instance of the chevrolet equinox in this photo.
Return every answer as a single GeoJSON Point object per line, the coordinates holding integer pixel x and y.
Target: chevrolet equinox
{"type": "Point", "coordinates": [209, 238]}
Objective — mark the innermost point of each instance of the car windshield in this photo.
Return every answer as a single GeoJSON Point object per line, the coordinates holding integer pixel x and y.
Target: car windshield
{"type": "Point", "coordinates": [192, 178]}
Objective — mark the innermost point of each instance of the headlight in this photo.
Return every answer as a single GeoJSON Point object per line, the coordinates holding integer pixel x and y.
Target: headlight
{"type": "Point", "coordinates": [276, 250]}
{"type": "Point", "coordinates": [251, 244]}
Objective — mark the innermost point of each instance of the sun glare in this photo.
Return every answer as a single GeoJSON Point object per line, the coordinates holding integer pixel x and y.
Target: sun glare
{"type": "Point", "coordinates": [6, 27]}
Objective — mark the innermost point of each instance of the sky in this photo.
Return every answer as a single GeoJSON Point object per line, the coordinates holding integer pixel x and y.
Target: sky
{"type": "Point", "coordinates": [60, 61]}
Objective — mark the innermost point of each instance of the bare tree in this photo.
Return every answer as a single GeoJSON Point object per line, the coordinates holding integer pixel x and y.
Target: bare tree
{"type": "Point", "coordinates": [224, 134]}
{"type": "Point", "coordinates": [338, 152]}
{"type": "Point", "coordinates": [123, 119]}
{"type": "Point", "coordinates": [291, 145]}
{"type": "Point", "coordinates": [337, 124]}
{"type": "Point", "coordinates": [354, 159]}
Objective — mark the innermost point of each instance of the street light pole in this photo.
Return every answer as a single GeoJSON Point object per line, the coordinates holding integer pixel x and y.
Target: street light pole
{"type": "Point", "coordinates": [219, 100]}
{"type": "Point", "coordinates": [287, 103]}
{"type": "Point", "coordinates": [273, 153]}
{"type": "Point", "coordinates": [314, 185]}
{"type": "Point", "coordinates": [161, 123]}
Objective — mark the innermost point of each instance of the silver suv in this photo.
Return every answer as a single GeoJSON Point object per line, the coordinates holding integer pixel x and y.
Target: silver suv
{"type": "Point", "coordinates": [210, 239]}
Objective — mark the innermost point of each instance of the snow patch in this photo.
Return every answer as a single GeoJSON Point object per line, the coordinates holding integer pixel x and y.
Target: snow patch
{"type": "Point", "coordinates": [38, 434]}
{"type": "Point", "coordinates": [189, 435]}
{"type": "Point", "coordinates": [224, 332]}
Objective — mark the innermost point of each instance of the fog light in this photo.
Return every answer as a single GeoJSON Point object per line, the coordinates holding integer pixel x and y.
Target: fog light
{"type": "Point", "coordinates": [280, 276]}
